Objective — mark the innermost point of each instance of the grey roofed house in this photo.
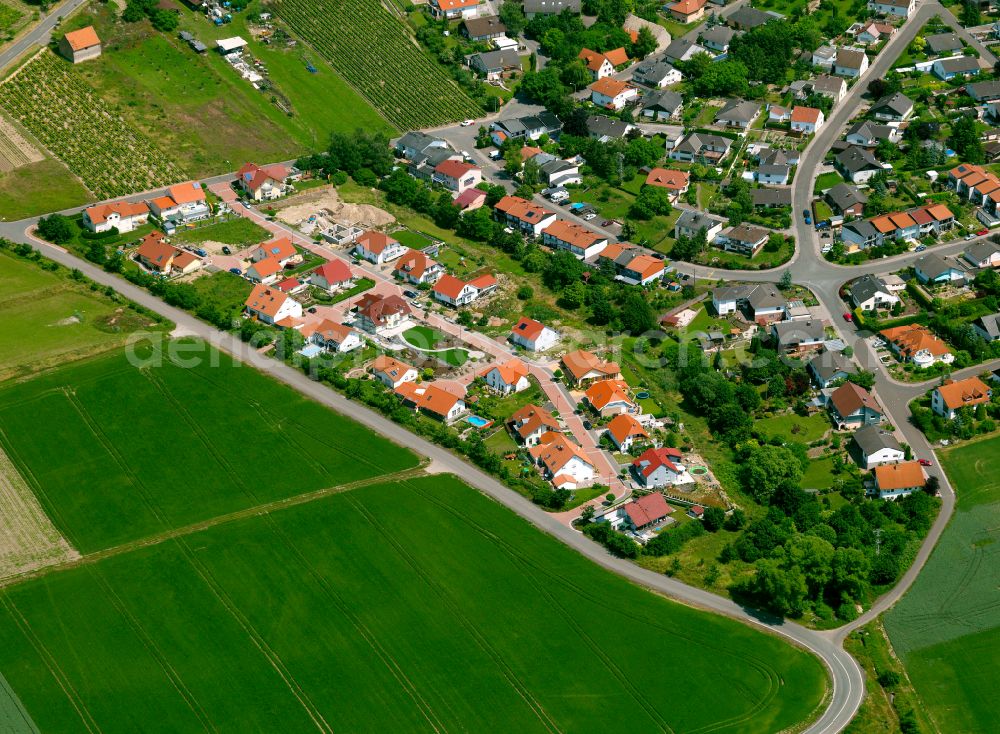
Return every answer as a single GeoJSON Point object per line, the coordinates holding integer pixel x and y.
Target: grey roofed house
{"type": "Point", "coordinates": [550, 7]}
{"type": "Point", "coordinates": [872, 131]}
{"type": "Point", "coordinates": [681, 50]}
{"type": "Point", "coordinates": [771, 170]}
{"type": "Point", "coordinates": [607, 128]}
{"type": "Point", "coordinates": [872, 439]}
{"type": "Point", "coordinates": [849, 58]}
{"type": "Point", "coordinates": [844, 196]}
{"type": "Point", "coordinates": [763, 296]}
{"type": "Point", "coordinates": [495, 61]}
{"type": "Point", "coordinates": [896, 105]}
{"type": "Point", "coordinates": [989, 325]}
{"type": "Point", "coordinates": [693, 220]}
{"type": "Point", "coordinates": [830, 366]}
{"type": "Point", "coordinates": [960, 65]}
{"type": "Point", "coordinates": [831, 86]}
{"type": "Point", "coordinates": [984, 91]}
{"type": "Point", "coordinates": [777, 157]}
{"type": "Point", "coordinates": [855, 159]}
{"type": "Point", "coordinates": [940, 43]}
{"type": "Point", "coordinates": [663, 101]}
{"type": "Point", "coordinates": [694, 143]}
{"type": "Point", "coordinates": [981, 251]}
{"type": "Point", "coordinates": [932, 265]}
{"type": "Point", "coordinates": [416, 141]}
{"type": "Point", "coordinates": [652, 73]}
{"type": "Point", "coordinates": [489, 26]}
{"type": "Point", "coordinates": [794, 333]}
{"type": "Point", "coordinates": [718, 37]}
{"type": "Point", "coordinates": [863, 228]}
{"type": "Point", "coordinates": [867, 286]}
{"type": "Point", "coordinates": [738, 110]}
{"type": "Point", "coordinates": [771, 197]}
{"type": "Point", "coordinates": [747, 18]}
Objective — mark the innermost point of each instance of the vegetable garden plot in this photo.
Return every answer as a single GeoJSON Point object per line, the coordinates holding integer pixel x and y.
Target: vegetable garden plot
{"type": "Point", "coordinates": [65, 114]}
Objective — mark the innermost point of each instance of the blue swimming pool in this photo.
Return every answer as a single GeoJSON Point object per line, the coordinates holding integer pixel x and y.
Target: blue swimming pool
{"type": "Point", "coordinates": [311, 350]}
{"type": "Point", "coordinates": [479, 422]}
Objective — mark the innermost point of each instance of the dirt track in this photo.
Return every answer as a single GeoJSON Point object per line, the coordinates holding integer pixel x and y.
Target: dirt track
{"type": "Point", "coordinates": [28, 539]}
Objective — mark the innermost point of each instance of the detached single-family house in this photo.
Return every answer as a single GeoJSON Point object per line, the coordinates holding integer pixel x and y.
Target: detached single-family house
{"type": "Point", "coordinates": [852, 405]}
{"type": "Point", "coordinates": [271, 306]}
{"type": "Point", "coordinates": [530, 423]}
{"type": "Point", "coordinates": [828, 367]}
{"type": "Point", "coordinates": [701, 148]}
{"type": "Point", "coordinates": [610, 397]}
{"type": "Point", "coordinates": [746, 239]}
{"type": "Point", "coordinates": [416, 267]}
{"type": "Point", "coordinates": [582, 242]}
{"type": "Point", "coordinates": [550, 7]}
{"type": "Point", "coordinates": [764, 198]}
{"type": "Point", "coordinates": [264, 271]}
{"type": "Point", "coordinates": [182, 203]}
{"type": "Point", "coordinates": [933, 268]}
{"type": "Point", "coordinates": [533, 335]}
{"type": "Point", "coordinates": [639, 269]}
{"type": "Point", "coordinates": [334, 337]}
{"type": "Point", "coordinates": [624, 431]}
{"type": "Point", "coordinates": [657, 468]}
{"type": "Point", "coordinates": [874, 31]}
{"type": "Point", "coordinates": [893, 108]}
{"type": "Point", "coordinates": [898, 480]}
{"type": "Point", "coordinates": [738, 113]}
{"type": "Point", "coordinates": [485, 28]}
{"type": "Point", "coordinates": [155, 254]}
{"type": "Point", "coordinates": [983, 254]}
{"type": "Point", "coordinates": [915, 343]}
{"type": "Point", "coordinates": [943, 43]}
{"type": "Point", "coordinates": [523, 215]}
{"type": "Point", "coordinates": [858, 165]}
{"type": "Point", "coordinates": [798, 336]}
{"type": "Point", "coordinates": [762, 303]}
{"type": "Point", "coordinates": [682, 50]}
{"type": "Point", "coordinates": [563, 462]}
{"type": "Point", "coordinates": [612, 94]}
{"type": "Point", "coordinates": [81, 45]}
{"type": "Point", "coordinates": [773, 174]}
{"type": "Point", "coordinates": [850, 62]}
{"type": "Point", "coordinates": [947, 69]}
{"type": "Point", "coordinates": [806, 120]}
{"type": "Point", "coordinates": [601, 66]}
{"type": "Point", "coordinates": [871, 447]}
{"type": "Point", "coordinates": [747, 18]}
{"type": "Point", "coordinates": [377, 313]}
{"type": "Point", "coordinates": [661, 106]}
{"type": "Point", "coordinates": [583, 368]}
{"type": "Point", "coordinates": [280, 248]}
{"type": "Point", "coordinates": [656, 74]}
{"type": "Point", "coordinates": [829, 86]}
{"type": "Point", "coordinates": [984, 91]}
{"type": "Point", "coordinates": [846, 200]}
{"type": "Point", "coordinates": [124, 216]}
{"type": "Point", "coordinates": [433, 400]}
{"type": "Point", "coordinates": [643, 513]}
{"type": "Point", "coordinates": [494, 64]}
{"type": "Point", "coordinates": [687, 11]}
{"type": "Point", "coordinates": [605, 129]}
{"type": "Point", "coordinates": [953, 395]}
{"type": "Point", "coordinates": [332, 275]}
{"type": "Point", "coordinates": [895, 8]}
{"type": "Point", "coordinates": [717, 38]}
{"type": "Point", "coordinates": [377, 247]}
{"type": "Point", "coordinates": [452, 9]}
{"type": "Point", "coordinates": [870, 293]}
{"type": "Point", "coordinates": [987, 327]}
{"type": "Point", "coordinates": [507, 377]}
{"type": "Point", "coordinates": [263, 183]}
{"type": "Point", "coordinates": [675, 182]}
{"type": "Point", "coordinates": [391, 372]}
{"type": "Point", "coordinates": [691, 221]}
{"type": "Point", "coordinates": [457, 176]}
{"type": "Point", "coordinates": [869, 134]}
{"type": "Point", "coordinates": [456, 292]}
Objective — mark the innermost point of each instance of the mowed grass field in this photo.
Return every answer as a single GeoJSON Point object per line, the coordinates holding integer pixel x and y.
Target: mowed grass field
{"type": "Point", "coordinates": [117, 453]}
{"type": "Point", "coordinates": [419, 606]}
{"type": "Point", "coordinates": [946, 629]}
{"type": "Point", "coordinates": [48, 319]}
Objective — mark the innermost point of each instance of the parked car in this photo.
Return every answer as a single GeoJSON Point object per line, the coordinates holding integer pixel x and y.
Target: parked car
{"type": "Point", "coordinates": [246, 204]}
{"type": "Point", "coordinates": [200, 253]}
{"type": "Point", "coordinates": [589, 215]}
{"type": "Point", "coordinates": [311, 310]}
{"type": "Point", "coordinates": [807, 216]}
{"type": "Point", "coordinates": [410, 294]}
{"type": "Point", "coordinates": [226, 250]}
{"type": "Point", "coordinates": [587, 425]}
{"type": "Point", "coordinates": [970, 236]}
{"type": "Point", "coordinates": [925, 462]}
{"type": "Point", "coordinates": [235, 271]}
{"type": "Point", "coordinates": [607, 223]}
{"type": "Point", "coordinates": [848, 317]}
{"type": "Point", "coordinates": [467, 123]}
{"type": "Point", "coordinates": [982, 232]}
{"type": "Point", "coordinates": [920, 248]}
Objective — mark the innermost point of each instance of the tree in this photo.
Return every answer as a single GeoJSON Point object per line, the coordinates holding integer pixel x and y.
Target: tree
{"type": "Point", "coordinates": [786, 280]}
{"type": "Point", "coordinates": [964, 139]}
{"type": "Point", "coordinates": [512, 16]}
{"type": "Point", "coordinates": [814, 557]}
{"type": "Point", "coordinates": [645, 43]}
{"type": "Point", "coordinates": [588, 513]}
{"type": "Point", "coordinates": [562, 269]}
{"type": "Point", "coordinates": [652, 201]}
{"type": "Point", "coordinates": [933, 485]}
{"type": "Point", "coordinates": [713, 519]}
{"type": "Point", "coordinates": [783, 590]}
{"type": "Point", "coordinates": [165, 21]}
{"type": "Point", "coordinates": [970, 15]}
{"type": "Point", "coordinates": [767, 467]}
{"type": "Point", "coordinates": [525, 293]}
{"type": "Point", "coordinates": [573, 295]}
{"type": "Point", "coordinates": [56, 228]}
{"type": "Point", "coordinates": [636, 315]}
{"type": "Point", "coordinates": [863, 378]}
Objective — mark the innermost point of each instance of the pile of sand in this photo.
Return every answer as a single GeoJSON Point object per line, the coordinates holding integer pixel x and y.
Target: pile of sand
{"type": "Point", "coordinates": [327, 204]}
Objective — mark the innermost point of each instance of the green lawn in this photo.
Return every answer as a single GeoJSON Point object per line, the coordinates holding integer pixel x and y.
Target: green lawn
{"type": "Point", "coordinates": [827, 181]}
{"type": "Point", "coordinates": [39, 188]}
{"type": "Point", "coordinates": [946, 629]}
{"type": "Point", "coordinates": [224, 291]}
{"type": "Point", "coordinates": [792, 427]}
{"type": "Point", "coordinates": [369, 609]}
{"type": "Point", "coordinates": [49, 318]}
{"type": "Point", "coordinates": [424, 337]}
{"type": "Point", "coordinates": [175, 446]}
{"type": "Point", "coordinates": [819, 474]}
{"type": "Point", "coordinates": [412, 239]}
{"type": "Point", "coordinates": [239, 231]}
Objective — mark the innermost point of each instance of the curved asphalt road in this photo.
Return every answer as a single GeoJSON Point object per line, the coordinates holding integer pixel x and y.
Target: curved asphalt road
{"type": "Point", "coordinates": [807, 267]}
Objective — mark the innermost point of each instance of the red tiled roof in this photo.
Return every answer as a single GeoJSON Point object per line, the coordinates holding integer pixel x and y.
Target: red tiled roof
{"type": "Point", "coordinates": [652, 459]}
{"type": "Point", "coordinates": [454, 169]}
{"type": "Point", "coordinates": [906, 475]}
{"type": "Point", "coordinates": [334, 271]}
{"type": "Point", "coordinates": [99, 213]}
{"type": "Point", "coordinates": [83, 38]}
{"type": "Point", "coordinates": [668, 178]}
{"type": "Point", "coordinates": [266, 300]}
{"type": "Point", "coordinates": [970, 391]}
{"type": "Point", "coordinates": [647, 510]}
{"type": "Point", "coordinates": [624, 425]}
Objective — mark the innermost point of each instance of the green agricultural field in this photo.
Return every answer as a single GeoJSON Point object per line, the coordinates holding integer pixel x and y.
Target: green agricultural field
{"type": "Point", "coordinates": [224, 292]}
{"type": "Point", "coordinates": [946, 629]}
{"type": "Point", "coordinates": [49, 318]}
{"type": "Point", "coordinates": [239, 231]}
{"type": "Point", "coordinates": [376, 54]}
{"type": "Point", "coordinates": [175, 446]}
{"type": "Point", "coordinates": [369, 610]}
{"type": "Point", "coordinates": [39, 188]}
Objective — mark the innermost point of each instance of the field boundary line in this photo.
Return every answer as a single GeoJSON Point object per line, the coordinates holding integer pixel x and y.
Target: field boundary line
{"type": "Point", "coordinates": [172, 675]}
{"type": "Point", "coordinates": [257, 638]}
{"type": "Point", "coordinates": [52, 664]}
{"type": "Point", "coordinates": [383, 654]}
{"type": "Point", "coordinates": [520, 688]}
{"type": "Point", "coordinates": [202, 525]}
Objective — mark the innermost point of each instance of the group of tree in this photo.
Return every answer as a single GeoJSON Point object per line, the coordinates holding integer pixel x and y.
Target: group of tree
{"type": "Point", "coordinates": [965, 141]}
{"type": "Point", "coordinates": [363, 155]}
{"type": "Point", "coordinates": [163, 20]}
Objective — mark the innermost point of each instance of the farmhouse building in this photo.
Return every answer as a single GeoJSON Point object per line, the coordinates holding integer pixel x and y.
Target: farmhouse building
{"type": "Point", "coordinates": [81, 45]}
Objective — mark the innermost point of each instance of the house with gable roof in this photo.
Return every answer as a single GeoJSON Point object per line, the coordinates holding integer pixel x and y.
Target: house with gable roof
{"type": "Point", "coordinates": [454, 9]}
{"type": "Point", "coordinates": [603, 65]}
{"type": "Point", "coordinates": [644, 513]}
{"type": "Point", "coordinates": [80, 45]}
{"type": "Point", "coordinates": [391, 372]}
{"type": "Point", "coordinates": [562, 461]}
{"type": "Point", "coordinates": [263, 183]}
{"type": "Point", "coordinates": [457, 176]}
{"type": "Point", "coordinates": [181, 204]}
{"type": "Point", "coordinates": [953, 395]}
{"type": "Point", "coordinates": [871, 446]}
{"type": "Point", "coordinates": [898, 480]}
{"type": "Point", "coordinates": [280, 248]}
{"type": "Point", "coordinates": [522, 214]}
{"type": "Point", "coordinates": [271, 306]}
{"type": "Point", "coordinates": [378, 313]}
{"type": "Point", "coordinates": [610, 397]}
{"type": "Point", "coordinates": [624, 430]}
{"type": "Point", "coordinates": [507, 377]}
{"type": "Point", "coordinates": [657, 468]}
{"type": "Point", "coordinates": [851, 406]}
{"type": "Point", "coordinates": [416, 267]}
{"type": "Point", "coordinates": [915, 343]}
{"type": "Point", "coordinates": [530, 423]}
{"type": "Point", "coordinates": [612, 94]}
{"type": "Point", "coordinates": [332, 275]}
{"type": "Point", "coordinates": [582, 368]}
{"type": "Point", "coordinates": [533, 335]}
{"type": "Point", "coordinates": [433, 400]}
{"type": "Point", "coordinates": [377, 247]}
{"type": "Point", "coordinates": [333, 337]}
{"type": "Point", "coordinates": [124, 216]}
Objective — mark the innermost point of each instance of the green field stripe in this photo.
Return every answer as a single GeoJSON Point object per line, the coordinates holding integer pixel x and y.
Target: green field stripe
{"type": "Point", "coordinates": [14, 719]}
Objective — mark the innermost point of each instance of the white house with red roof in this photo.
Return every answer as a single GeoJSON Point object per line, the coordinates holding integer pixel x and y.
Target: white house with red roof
{"type": "Point", "coordinates": [378, 314]}
{"type": "Point", "coordinates": [271, 306]}
{"type": "Point", "coordinates": [291, 286]}
{"type": "Point", "coordinates": [612, 94]}
{"type": "Point", "coordinates": [416, 267]}
{"type": "Point", "coordinates": [562, 461]}
{"type": "Point", "coordinates": [333, 337]}
{"type": "Point", "coordinates": [610, 397]}
{"type": "Point", "coordinates": [470, 199]}
{"type": "Point", "coordinates": [332, 275]}
{"type": "Point", "coordinates": [263, 183]}
{"type": "Point", "coordinates": [281, 249]}
{"type": "Point", "coordinates": [526, 216]}
{"type": "Point", "coordinates": [457, 292]}
{"type": "Point", "coordinates": [391, 372]}
{"type": "Point", "coordinates": [533, 335]}
{"type": "Point", "coordinates": [641, 514]}
{"type": "Point", "coordinates": [457, 176]}
{"type": "Point", "coordinates": [530, 423]}
{"type": "Point", "coordinates": [377, 247]}
{"type": "Point", "coordinates": [265, 271]}
{"type": "Point", "coordinates": [432, 400]}
{"type": "Point", "coordinates": [624, 430]}
{"type": "Point", "coordinates": [662, 467]}
{"type": "Point", "coordinates": [452, 9]}
{"type": "Point", "coordinates": [182, 203]}
{"type": "Point", "coordinates": [122, 215]}
{"type": "Point", "coordinates": [806, 120]}
{"type": "Point", "coordinates": [507, 377]}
